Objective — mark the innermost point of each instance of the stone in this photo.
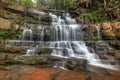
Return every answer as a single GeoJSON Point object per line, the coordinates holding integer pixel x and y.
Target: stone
{"type": "Point", "coordinates": [5, 24]}
{"type": "Point", "coordinates": [30, 59]}
{"type": "Point", "coordinates": [16, 6]}
{"type": "Point", "coordinates": [81, 10]}
{"type": "Point", "coordinates": [116, 25]}
{"type": "Point", "coordinates": [114, 52]}
{"type": "Point", "coordinates": [12, 49]}
{"type": "Point", "coordinates": [76, 64]}
{"type": "Point", "coordinates": [101, 44]}
{"type": "Point", "coordinates": [106, 26]}
{"type": "Point", "coordinates": [15, 26]}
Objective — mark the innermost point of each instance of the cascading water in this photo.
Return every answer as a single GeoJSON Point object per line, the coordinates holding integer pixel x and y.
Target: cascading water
{"type": "Point", "coordinates": [31, 52]}
{"type": "Point", "coordinates": [65, 38]}
{"type": "Point", "coordinates": [27, 34]}
{"type": "Point", "coordinates": [98, 31]}
{"type": "Point", "coordinates": [68, 42]}
{"type": "Point", "coordinates": [41, 33]}
{"type": "Point", "coordinates": [65, 30]}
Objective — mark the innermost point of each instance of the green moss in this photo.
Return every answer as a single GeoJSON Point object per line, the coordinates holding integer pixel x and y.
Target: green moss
{"type": "Point", "coordinates": [96, 38]}
{"type": "Point", "coordinates": [31, 59]}
{"type": "Point", "coordinates": [8, 34]}
{"type": "Point", "coordinates": [30, 19]}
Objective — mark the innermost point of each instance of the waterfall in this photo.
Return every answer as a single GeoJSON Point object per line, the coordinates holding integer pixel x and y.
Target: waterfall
{"type": "Point", "coordinates": [31, 52]}
{"type": "Point", "coordinates": [98, 31]}
{"type": "Point", "coordinates": [65, 39]}
{"type": "Point", "coordinates": [65, 30]}
{"type": "Point", "coordinates": [27, 34]}
{"type": "Point", "coordinates": [68, 42]}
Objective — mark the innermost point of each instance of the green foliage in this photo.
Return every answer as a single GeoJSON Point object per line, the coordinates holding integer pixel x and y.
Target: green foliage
{"type": "Point", "coordinates": [56, 4]}
{"type": "Point", "coordinates": [8, 34]}
{"type": "Point", "coordinates": [28, 3]}
{"type": "Point", "coordinates": [96, 38]}
{"type": "Point", "coordinates": [31, 59]}
{"type": "Point", "coordinates": [97, 17]}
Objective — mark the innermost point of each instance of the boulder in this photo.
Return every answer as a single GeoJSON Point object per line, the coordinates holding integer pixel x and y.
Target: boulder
{"type": "Point", "coordinates": [29, 59]}
{"type": "Point", "coordinates": [116, 26]}
{"type": "Point", "coordinates": [106, 26]}
{"type": "Point", "coordinates": [5, 24]}
{"type": "Point", "coordinates": [12, 49]}
{"type": "Point", "coordinates": [76, 64]}
{"type": "Point", "coordinates": [15, 26]}
{"type": "Point", "coordinates": [16, 6]}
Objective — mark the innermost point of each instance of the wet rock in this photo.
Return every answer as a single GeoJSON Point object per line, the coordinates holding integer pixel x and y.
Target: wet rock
{"type": "Point", "coordinates": [12, 49]}
{"type": "Point", "coordinates": [91, 32]}
{"type": "Point", "coordinates": [70, 65]}
{"type": "Point", "coordinates": [77, 65]}
{"type": "Point", "coordinates": [32, 60]}
{"type": "Point", "coordinates": [44, 51]}
{"type": "Point", "coordinates": [114, 43]}
{"type": "Point", "coordinates": [41, 15]}
{"type": "Point", "coordinates": [101, 44]}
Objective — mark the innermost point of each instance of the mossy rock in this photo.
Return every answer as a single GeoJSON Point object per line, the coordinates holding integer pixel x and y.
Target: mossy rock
{"type": "Point", "coordinates": [11, 62]}
{"type": "Point", "coordinates": [32, 60]}
{"type": "Point", "coordinates": [3, 68]}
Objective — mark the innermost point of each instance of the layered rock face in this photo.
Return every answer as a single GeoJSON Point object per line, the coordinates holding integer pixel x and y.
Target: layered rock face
{"type": "Point", "coordinates": [5, 24]}
{"type": "Point", "coordinates": [107, 31]}
{"type": "Point", "coordinates": [111, 30]}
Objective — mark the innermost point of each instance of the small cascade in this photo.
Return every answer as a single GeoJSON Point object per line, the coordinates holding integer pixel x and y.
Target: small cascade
{"type": "Point", "coordinates": [98, 31]}
{"type": "Point", "coordinates": [76, 49]}
{"type": "Point", "coordinates": [41, 33]}
{"type": "Point", "coordinates": [27, 34]}
{"type": "Point", "coordinates": [31, 52]}
{"type": "Point", "coordinates": [65, 30]}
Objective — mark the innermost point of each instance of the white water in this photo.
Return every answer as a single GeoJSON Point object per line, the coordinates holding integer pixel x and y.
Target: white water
{"type": "Point", "coordinates": [65, 29]}
{"type": "Point", "coordinates": [27, 34]}
{"type": "Point", "coordinates": [66, 40]}
{"type": "Point", "coordinates": [98, 31]}
{"type": "Point", "coordinates": [31, 52]}
{"type": "Point", "coordinates": [69, 45]}
{"type": "Point", "coordinates": [41, 33]}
